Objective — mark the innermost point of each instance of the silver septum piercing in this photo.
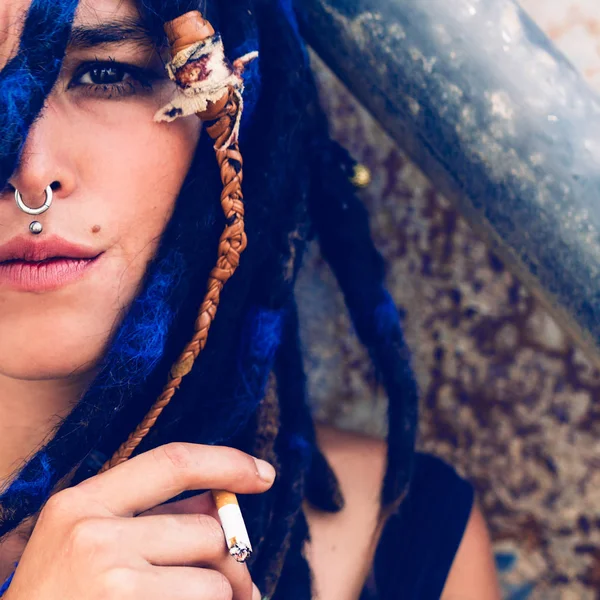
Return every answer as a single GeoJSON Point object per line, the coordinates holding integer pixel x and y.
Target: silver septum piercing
{"type": "Point", "coordinates": [35, 226]}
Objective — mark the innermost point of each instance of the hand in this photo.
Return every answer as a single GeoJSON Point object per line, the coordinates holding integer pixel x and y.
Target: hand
{"type": "Point", "coordinates": [112, 538]}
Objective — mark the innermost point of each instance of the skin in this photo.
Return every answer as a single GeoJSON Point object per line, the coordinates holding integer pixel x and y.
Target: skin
{"type": "Point", "coordinates": [78, 141]}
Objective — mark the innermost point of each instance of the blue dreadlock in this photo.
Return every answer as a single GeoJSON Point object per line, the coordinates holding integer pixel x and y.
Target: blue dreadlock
{"type": "Point", "coordinates": [342, 224]}
{"type": "Point", "coordinates": [28, 78]}
{"type": "Point", "coordinates": [295, 184]}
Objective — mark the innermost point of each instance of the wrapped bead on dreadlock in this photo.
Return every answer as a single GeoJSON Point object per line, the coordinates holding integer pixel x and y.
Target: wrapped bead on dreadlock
{"type": "Point", "coordinates": [205, 79]}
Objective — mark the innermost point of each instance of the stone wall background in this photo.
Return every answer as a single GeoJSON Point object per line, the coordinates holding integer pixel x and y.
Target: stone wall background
{"type": "Point", "coordinates": [506, 398]}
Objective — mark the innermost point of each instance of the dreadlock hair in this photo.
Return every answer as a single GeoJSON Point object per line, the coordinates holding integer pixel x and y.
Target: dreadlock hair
{"type": "Point", "coordinates": [247, 389]}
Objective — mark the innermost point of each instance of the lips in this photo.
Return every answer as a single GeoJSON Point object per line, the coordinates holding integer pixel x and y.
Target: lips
{"type": "Point", "coordinates": [25, 249]}
{"type": "Point", "coordinates": [43, 266]}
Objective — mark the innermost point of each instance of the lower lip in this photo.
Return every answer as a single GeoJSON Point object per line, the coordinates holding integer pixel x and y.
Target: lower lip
{"type": "Point", "coordinates": [44, 276]}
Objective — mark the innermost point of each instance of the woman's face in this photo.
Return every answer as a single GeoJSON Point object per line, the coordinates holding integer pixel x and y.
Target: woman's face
{"type": "Point", "coordinates": [116, 175]}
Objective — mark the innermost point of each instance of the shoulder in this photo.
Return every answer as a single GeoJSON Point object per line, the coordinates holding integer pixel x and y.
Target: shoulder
{"type": "Point", "coordinates": [347, 542]}
{"type": "Point", "coordinates": [473, 573]}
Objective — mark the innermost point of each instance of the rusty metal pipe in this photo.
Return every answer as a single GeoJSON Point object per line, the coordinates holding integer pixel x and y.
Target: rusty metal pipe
{"type": "Point", "coordinates": [498, 120]}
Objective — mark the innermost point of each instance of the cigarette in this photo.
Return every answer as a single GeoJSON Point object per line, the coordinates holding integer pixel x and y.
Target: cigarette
{"type": "Point", "coordinates": [233, 525]}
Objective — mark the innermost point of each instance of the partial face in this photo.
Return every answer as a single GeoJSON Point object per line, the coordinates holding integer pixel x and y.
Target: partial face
{"type": "Point", "coordinates": [116, 175]}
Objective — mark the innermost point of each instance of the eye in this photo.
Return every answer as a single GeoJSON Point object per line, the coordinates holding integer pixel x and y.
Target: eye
{"type": "Point", "coordinates": [108, 79]}
{"type": "Point", "coordinates": [103, 75]}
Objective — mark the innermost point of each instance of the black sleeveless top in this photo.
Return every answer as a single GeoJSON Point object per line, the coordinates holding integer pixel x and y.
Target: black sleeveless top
{"type": "Point", "coordinates": [420, 540]}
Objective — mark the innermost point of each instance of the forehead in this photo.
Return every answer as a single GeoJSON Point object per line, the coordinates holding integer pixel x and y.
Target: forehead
{"type": "Point", "coordinates": [89, 12]}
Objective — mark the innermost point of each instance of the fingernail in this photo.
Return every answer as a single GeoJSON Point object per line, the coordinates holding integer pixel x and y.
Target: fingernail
{"type": "Point", "coordinates": [265, 470]}
{"type": "Point", "coordinates": [255, 592]}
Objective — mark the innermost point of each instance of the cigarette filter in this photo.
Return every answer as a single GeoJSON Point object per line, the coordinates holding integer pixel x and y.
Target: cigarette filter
{"type": "Point", "coordinates": [233, 525]}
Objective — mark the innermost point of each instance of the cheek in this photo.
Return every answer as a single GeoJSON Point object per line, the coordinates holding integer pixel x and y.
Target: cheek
{"type": "Point", "coordinates": [139, 172]}
{"type": "Point", "coordinates": [147, 169]}
{"type": "Point", "coordinates": [137, 176]}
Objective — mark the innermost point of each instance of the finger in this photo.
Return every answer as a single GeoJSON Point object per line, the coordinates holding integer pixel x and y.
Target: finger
{"type": "Point", "coordinates": [186, 540]}
{"type": "Point", "coordinates": [199, 504]}
{"type": "Point", "coordinates": [154, 477]}
{"type": "Point", "coordinates": [186, 583]}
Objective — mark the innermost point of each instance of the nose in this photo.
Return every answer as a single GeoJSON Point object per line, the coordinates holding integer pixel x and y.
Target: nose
{"type": "Point", "coordinates": [45, 160]}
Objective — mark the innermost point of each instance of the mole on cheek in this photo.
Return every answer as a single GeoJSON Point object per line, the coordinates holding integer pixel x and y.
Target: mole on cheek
{"type": "Point", "coordinates": [96, 228]}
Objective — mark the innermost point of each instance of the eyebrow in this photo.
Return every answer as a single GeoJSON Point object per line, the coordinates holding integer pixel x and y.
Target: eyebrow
{"type": "Point", "coordinates": [128, 30]}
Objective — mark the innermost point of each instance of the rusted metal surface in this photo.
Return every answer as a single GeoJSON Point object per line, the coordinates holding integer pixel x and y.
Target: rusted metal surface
{"type": "Point", "coordinates": [497, 118]}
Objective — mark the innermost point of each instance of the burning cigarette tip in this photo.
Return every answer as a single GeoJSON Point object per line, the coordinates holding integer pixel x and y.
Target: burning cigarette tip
{"type": "Point", "coordinates": [240, 551]}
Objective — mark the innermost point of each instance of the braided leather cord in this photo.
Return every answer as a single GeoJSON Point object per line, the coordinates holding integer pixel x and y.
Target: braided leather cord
{"type": "Point", "coordinates": [226, 113]}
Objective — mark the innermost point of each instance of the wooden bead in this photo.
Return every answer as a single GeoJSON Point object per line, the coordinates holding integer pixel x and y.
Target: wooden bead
{"type": "Point", "coordinates": [186, 30]}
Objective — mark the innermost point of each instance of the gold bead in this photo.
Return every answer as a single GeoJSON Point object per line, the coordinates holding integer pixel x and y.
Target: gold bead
{"type": "Point", "coordinates": [183, 368]}
{"type": "Point", "coordinates": [362, 176]}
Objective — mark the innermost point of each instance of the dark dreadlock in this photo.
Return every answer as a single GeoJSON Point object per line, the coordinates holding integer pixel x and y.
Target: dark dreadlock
{"type": "Point", "coordinates": [296, 184]}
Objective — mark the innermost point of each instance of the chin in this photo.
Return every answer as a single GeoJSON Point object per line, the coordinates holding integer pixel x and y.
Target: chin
{"type": "Point", "coordinates": [50, 346]}
{"type": "Point", "coordinates": [31, 366]}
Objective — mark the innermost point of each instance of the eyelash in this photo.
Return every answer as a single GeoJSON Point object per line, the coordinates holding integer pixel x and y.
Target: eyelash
{"type": "Point", "coordinates": [141, 78]}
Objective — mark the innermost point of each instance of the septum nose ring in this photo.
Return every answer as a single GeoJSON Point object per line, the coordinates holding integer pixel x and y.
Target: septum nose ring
{"type": "Point", "coordinates": [35, 227]}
